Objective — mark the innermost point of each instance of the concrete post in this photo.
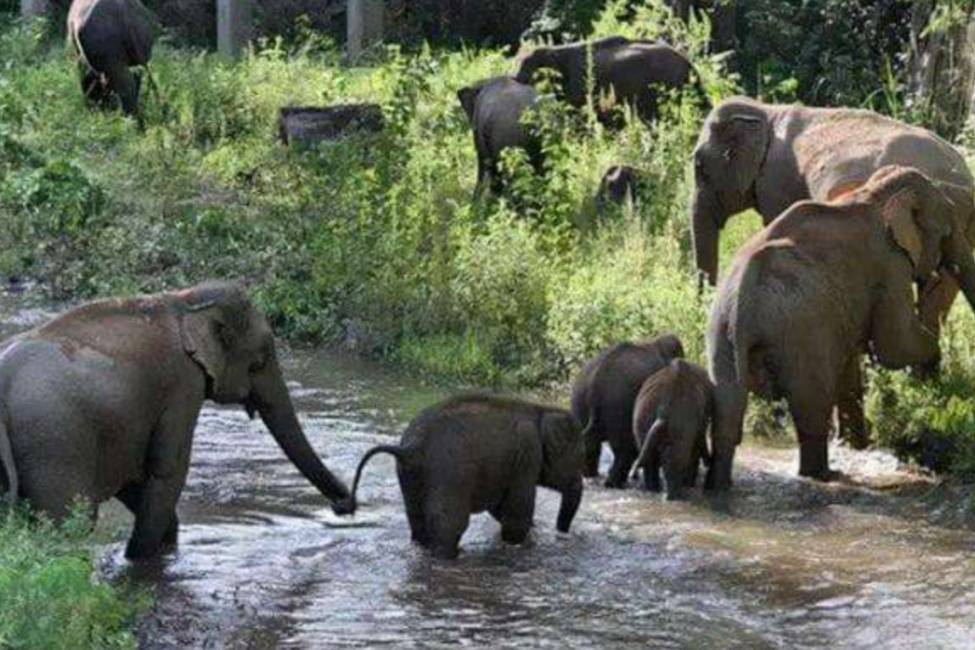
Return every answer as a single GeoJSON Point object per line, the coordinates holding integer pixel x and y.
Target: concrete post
{"type": "Point", "coordinates": [234, 19]}
{"type": "Point", "coordinates": [34, 8]}
{"type": "Point", "coordinates": [364, 25]}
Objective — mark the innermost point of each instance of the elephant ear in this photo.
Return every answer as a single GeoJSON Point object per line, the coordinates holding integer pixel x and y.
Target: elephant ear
{"type": "Point", "coordinates": [202, 333]}
{"type": "Point", "coordinates": [746, 139]}
{"type": "Point", "coordinates": [898, 213]}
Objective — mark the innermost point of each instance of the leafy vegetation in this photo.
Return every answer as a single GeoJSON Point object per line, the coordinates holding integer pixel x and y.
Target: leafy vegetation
{"type": "Point", "coordinates": [50, 600]}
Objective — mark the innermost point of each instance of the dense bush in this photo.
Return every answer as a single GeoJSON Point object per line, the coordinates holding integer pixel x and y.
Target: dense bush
{"type": "Point", "coordinates": [50, 600]}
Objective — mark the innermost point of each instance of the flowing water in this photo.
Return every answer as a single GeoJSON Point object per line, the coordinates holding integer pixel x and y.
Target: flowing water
{"type": "Point", "coordinates": [881, 559]}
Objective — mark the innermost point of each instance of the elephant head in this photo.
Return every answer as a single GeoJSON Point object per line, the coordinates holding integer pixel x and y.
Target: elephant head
{"type": "Point", "coordinates": [669, 346]}
{"type": "Point", "coordinates": [232, 342]}
{"type": "Point", "coordinates": [562, 458]}
{"type": "Point", "coordinates": [540, 57]}
{"type": "Point", "coordinates": [925, 225]}
{"type": "Point", "coordinates": [728, 159]}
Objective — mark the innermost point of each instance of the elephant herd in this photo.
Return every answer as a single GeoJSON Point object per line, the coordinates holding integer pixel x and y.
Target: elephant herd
{"type": "Point", "coordinates": [867, 241]}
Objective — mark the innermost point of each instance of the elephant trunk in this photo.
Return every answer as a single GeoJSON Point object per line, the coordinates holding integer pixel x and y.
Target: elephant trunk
{"type": "Point", "coordinates": [571, 498]}
{"type": "Point", "coordinates": [705, 222]}
{"type": "Point", "coordinates": [271, 399]}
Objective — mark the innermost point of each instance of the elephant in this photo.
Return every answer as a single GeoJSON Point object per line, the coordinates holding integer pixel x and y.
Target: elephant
{"type": "Point", "coordinates": [630, 69]}
{"type": "Point", "coordinates": [618, 185]}
{"type": "Point", "coordinates": [496, 109]}
{"type": "Point", "coordinates": [670, 424]}
{"type": "Point", "coordinates": [814, 290]}
{"type": "Point", "coordinates": [603, 395]}
{"type": "Point", "coordinates": [110, 37]}
{"type": "Point", "coordinates": [768, 157]}
{"type": "Point", "coordinates": [472, 453]}
{"type": "Point", "coordinates": [101, 402]}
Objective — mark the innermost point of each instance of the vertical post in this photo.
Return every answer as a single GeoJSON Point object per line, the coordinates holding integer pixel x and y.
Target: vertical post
{"type": "Point", "coordinates": [364, 25]}
{"type": "Point", "coordinates": [234, 19]}
{"type": "Point", "coordinates": [33, 8]}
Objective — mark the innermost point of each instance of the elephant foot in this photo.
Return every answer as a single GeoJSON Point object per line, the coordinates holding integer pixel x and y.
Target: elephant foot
{"type": "Point", "coordinates": [615, 483]}
{"type": "Point", "coordinates": [823, 476]}
{"type": "Point", "coordinates": [139, 552]}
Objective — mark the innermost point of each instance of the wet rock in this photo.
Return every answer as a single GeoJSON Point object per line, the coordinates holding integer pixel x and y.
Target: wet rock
{"type": "Point", "coordinates": [308, 125]}
{"type": "Point", "coordinates": [619, 185]}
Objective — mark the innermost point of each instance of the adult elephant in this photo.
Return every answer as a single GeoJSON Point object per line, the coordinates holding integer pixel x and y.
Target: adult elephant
{"type": "Point", "coordinates": [497, 109]}
{"type": "Point", "coordinates": [767, 157]}
{"type": "Point", "coordinates": [816, 288]}
{"type": "Point", "coordinates": [102, 401]}
{"type": "Point", "coordinates": [110, 37]}
{"type": "Point", "coordinates": [630, 69]}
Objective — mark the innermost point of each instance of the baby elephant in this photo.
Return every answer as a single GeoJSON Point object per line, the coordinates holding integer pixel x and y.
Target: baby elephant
{"type": "Point", "coordinates": [474, 453]}
{"type": "Point", "coordinates": [603, 396]}
{"type": "Point", "coordinates": [670, 422]}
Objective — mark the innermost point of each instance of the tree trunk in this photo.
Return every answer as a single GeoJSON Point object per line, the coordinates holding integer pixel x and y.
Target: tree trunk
{"type": "Point", "coordinates": [941, 67]}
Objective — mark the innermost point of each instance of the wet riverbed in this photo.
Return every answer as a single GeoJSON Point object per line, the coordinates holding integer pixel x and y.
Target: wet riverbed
{"type": "Point", "coordinates": [263, 563]}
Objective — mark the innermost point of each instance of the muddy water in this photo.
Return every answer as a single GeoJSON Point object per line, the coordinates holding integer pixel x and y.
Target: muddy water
{"type": "Point", "coordinates": [877, 560]}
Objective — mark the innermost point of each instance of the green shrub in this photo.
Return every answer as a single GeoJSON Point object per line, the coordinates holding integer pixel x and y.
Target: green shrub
{"type": "Point", "coordinates": [50, 599]}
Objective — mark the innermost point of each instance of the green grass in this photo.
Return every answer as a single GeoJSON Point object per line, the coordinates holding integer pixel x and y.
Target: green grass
{"type": "Point", "coordinates": [50, 599]}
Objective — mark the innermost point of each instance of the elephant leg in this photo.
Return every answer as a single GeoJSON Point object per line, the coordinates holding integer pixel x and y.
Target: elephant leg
{"type": "Point", "coordinates": [131, 496]}
{"type": "Point", "coordinates": [651, 472]}
{"type": "Point", "coordinates": [167, 465]}
{"type": "Point", "coordinates": [446, 518]}
{"type": "Point", "coordinates": [851, 422]}
{"type": "Point", "coordinates": [811, 410]}
{"type": "Point", "coordinates": [594, 448]}
{"type": "Point", "coordinates": [123, 83]}
{"type": "Point", "coordinates": [731, 400]}
{"type": "Point", "coordinates": [517, 513]}
{"type": "Point", "coordinates": [411, 486]}
{"type": "Point", "coordinates": [623, 458]}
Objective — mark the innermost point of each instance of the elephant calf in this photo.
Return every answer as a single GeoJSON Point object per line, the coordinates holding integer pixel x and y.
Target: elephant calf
{"type": "Point", "coordinates": [101, 402]}
{"type": "Point", "coordinates": [816, 288]}
{"type": "Point", "coordinates": [670, 423]}
{"type": "Point", "coordinates": [474, 453]}
{"type": "Point", "coordinates": [110, 37]}
{"type": "Point", "coordinates": [496, 109]}
{"type": "Point", "coordinates": [603, 396]}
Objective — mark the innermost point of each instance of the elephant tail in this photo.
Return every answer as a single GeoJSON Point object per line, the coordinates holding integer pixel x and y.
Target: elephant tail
{"type": "Point", "coordinates": [654, 437]}
{"type": "Point", "coordinates": [7, 462]}
{"type": "Point", "coordinates": [76, 41]}
{"type": "Point", "coordinates": [394, 450]}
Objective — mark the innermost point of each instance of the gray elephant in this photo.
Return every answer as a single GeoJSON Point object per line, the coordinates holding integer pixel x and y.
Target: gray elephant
{"type": "Point", "coordinates": [768, 157]}
{"type": "Point", "coordinates": [603, 395]}
{"type": "Point", "coordinates": [631, 70]}
{"type": "Point", "coordinates": [110, 37]}
{"type": "Point", "coordinates": [670, 425]}
{"type": "Point", "coordinates": [819, 286]}
{"type": "Point", "coordinates": [102, 401]}
{"type": "Point", "coordinates": [497, 109]}
{"type": "Point", "coordinates": [477, 453]}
